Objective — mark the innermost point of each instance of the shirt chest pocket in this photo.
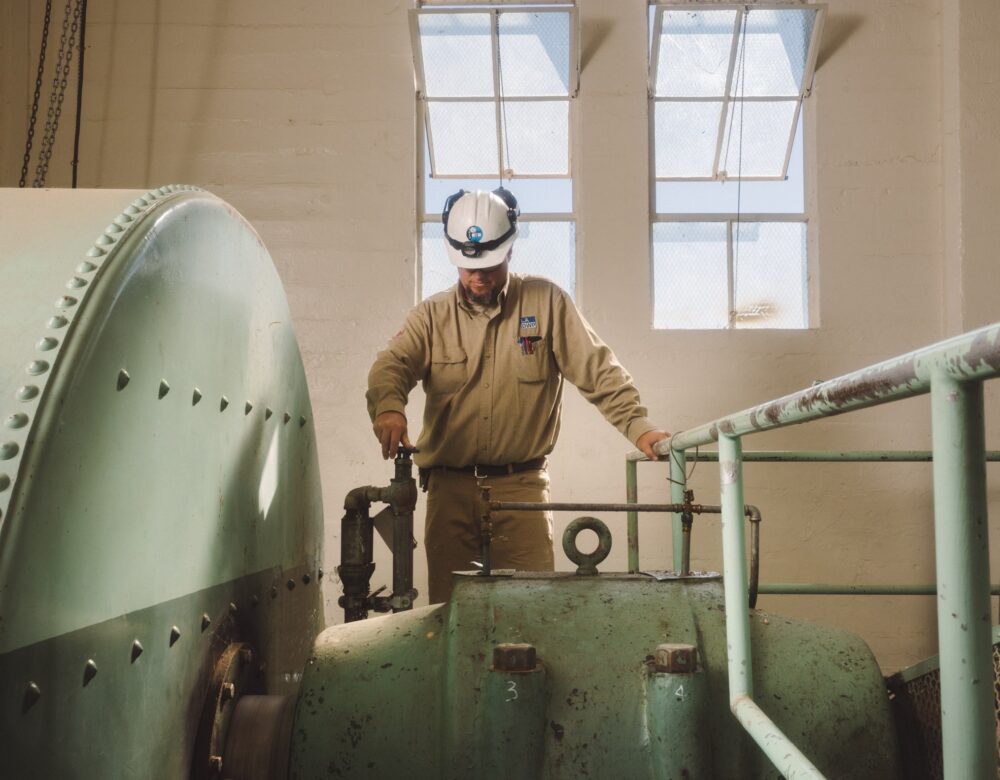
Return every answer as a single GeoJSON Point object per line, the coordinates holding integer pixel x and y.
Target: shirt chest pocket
{"type": "Point", "coordinates": [533, 366]}
{"type": "Point", "coordinates": [449, 370]}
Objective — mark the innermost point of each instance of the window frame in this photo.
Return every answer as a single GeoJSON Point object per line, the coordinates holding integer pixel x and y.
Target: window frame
{"type": "Point", "coordinates": [422, 123]}
{"type": "Point", "coordinates": [495, 10]}
{"type": "Point", "coordinates": [806, 118]}
{"type": "Point", "coordinates": [805, 88]}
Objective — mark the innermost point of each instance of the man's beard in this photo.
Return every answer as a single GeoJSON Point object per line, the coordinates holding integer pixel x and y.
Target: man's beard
{"type": "Point", "coordinates": [482, 299]}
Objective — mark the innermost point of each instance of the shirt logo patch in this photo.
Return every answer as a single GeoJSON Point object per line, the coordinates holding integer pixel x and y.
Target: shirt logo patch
{"type": "Point", "coordinates": [529, 323]}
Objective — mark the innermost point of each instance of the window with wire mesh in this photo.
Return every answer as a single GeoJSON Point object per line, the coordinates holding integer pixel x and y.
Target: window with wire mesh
{"type": "Point", "coordinates": [496, 86]}
{"type": "Point", "coordinates": [729, 233]}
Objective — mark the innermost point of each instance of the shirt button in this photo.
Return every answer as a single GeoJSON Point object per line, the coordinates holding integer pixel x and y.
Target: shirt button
{"type": "Point", "coordinates": [486, 417]}
{"type": "Point", "coordinates": [486, 385]}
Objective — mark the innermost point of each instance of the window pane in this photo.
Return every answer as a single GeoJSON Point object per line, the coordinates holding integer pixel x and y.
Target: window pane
{"type": "Point", "coordinates": [537, 137]}
{"type": "Point", "coordinates": [547, 249]}
{"type": "Point", "coordinates": [464, 138]}
{"type": "Point", "coordinates": [534, 53]}
{"type": "Point", "coordinates": [777, 43]}
{"type": "Point", "coordinates": [695, 48]}
{"type": "Point", "coordinates": [690, 279]}
{"type": "Point", "coordinates": [685, 135]}
{"type": "Point", "coordinates": [783, 196]}
{"type": "Point", "coordinates": [437, 272]}
{"type": "Point", "coordinates": [542, 248]}
{"type": "Point", "coordinates": [769, 264]}
{"type": "Point", "coordinates": [457, 55]}
{"type": "Point", "coordinates": [758, 140]}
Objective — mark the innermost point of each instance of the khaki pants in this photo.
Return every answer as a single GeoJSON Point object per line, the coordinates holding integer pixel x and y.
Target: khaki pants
{"type": "Point", "coordinates": [521, 540]}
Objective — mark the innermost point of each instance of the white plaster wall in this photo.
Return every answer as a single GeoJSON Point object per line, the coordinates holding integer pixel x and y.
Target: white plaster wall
{"type": "Point", "coordinates": [302, 115]}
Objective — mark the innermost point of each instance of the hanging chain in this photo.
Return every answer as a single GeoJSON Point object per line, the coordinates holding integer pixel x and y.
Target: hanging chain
{"type": "Point", "coordinates": [38, 90]}
{"type": "Point", "coordinates": [64, 60]}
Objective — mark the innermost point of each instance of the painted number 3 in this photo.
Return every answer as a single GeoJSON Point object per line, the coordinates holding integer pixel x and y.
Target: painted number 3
{"type": "Point", "coordinates": [512, 690]}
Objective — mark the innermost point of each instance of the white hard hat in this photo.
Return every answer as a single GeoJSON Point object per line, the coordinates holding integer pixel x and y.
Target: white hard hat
{"type": "Point", "coordinates": [479, 227]}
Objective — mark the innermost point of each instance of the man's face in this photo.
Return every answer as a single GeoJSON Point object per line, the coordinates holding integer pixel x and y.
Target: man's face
{"type": "Point", "coordinates": [482, 286]}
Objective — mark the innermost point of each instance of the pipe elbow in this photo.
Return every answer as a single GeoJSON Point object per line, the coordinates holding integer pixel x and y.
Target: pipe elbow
{"type": "Point", "coordinates": [357, 498]}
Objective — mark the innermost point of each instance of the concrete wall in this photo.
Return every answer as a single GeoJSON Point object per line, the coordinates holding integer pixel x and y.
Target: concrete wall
{"type": "Point", "coordinates": [302, 115]}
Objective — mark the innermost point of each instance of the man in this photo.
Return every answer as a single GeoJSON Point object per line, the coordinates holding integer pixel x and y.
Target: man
{"type": "Point", "coordinates": [492, 353]}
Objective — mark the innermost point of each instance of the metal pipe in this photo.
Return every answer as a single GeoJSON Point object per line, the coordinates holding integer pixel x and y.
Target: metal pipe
{"type": "Point", "coordinates": [564, 506]}
{"type": "Point", "coordinates": [753, 515]}
{"type": "Point", "coordinates": [678, 484]}
{"type": "Point", "coordinates": [828, 589]}
{"type": "Point", "coordinates": [632, 518]}
{"type": "Point", "coordinates": [357, 543]}
{"type": "Point", "coordinates": [734, 574]}
{"type": "Point", "coordinates": [356, 553]}
{"type": "Point", "coordinates": [687, 520]}
{"type": "Point", "coordinates": [789, 760]}
{"type": "Point", "coordinates": [962, 557]}
{"type": "Point", "coordinates": [402, 497]}
{"type": "Point", "coordinates": [817, 456]}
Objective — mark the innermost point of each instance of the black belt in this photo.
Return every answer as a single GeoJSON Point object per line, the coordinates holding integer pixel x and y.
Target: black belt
{"type": "Point", "coordinates": [490, 470]}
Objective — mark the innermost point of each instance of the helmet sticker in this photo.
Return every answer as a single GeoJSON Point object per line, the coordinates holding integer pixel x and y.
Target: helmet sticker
{"type": "Point", "coordinates": [474, 234]}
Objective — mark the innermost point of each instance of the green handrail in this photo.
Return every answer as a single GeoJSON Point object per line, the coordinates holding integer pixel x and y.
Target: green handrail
{"type": "Point", "coordinates": [952, 371]}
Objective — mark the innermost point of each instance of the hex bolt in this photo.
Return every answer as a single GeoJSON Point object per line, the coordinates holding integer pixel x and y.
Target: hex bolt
{"type": "Point", "coordinates": [254, 600]}
{"type": "Point", "coordinates": [215, 763]}
{"type": "Point", "coordinates": [232, 608]}
{"type": "Point", "coordinates": [513, 657]}
{"type": "Point", "coordinates": [89, 671]}
{"type": "Point", "coordinates": [290, 584]}
{"type": "Point", "coordinates": [228, 691]}
{"type": "Point", "coordinates": [136, 650]}
{"type": "Point", "coordinates": [319, 574]}
{"type": "Point", "coordinates": [676, 658]}
{"type": "Point", "coordinates": [175, 634]}
{"type": "Point", "coordinates": [206, 621]}
{"type": "Point", "coordinates": [274, 591]}
{"type": "Point", "coordinates": [306, 579]}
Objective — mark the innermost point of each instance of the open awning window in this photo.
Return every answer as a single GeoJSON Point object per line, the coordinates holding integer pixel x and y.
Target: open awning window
{"type": "Point", "coordinates": [727, 84]}
{"type": "Point", "coordinates": [495, 85]}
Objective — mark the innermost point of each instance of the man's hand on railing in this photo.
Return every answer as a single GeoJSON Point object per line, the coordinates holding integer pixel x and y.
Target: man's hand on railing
{"type": "Point", "coordinates": [647, 440]}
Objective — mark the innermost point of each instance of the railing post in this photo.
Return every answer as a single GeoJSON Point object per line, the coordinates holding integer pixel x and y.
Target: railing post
{"type": "Point", "coordinates": [678, 483]}
{"type": "Point", "coordinates": [961, 535]}
{"type": "Point", "coordinates": [734, 572]}
{"type": "Point", "coordinates": [632, 518]}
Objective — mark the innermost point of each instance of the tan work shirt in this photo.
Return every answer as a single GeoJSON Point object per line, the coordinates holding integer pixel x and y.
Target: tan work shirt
{"type": "Point", "coordinates": [494, 376]}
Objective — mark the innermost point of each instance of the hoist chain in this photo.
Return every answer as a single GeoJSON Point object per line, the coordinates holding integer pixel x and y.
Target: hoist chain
{"type": "Point", "coordinates": [64, 60]}
{"type": "Point", "coordinates": [38, 90]}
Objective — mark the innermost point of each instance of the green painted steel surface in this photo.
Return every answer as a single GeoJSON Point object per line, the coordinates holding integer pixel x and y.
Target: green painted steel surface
{"type": "Point", "coordinates": [815, 456]}
{"type": "Point", "coordinates": [961, 533]}
{"type": "Point", "coordinates": [678, 483]}
{"type": "Point", "coordinates": [414, 695]}
{"type": "Point", "coordinates": [156, 445]}
{"type": "Point", "coordinates": [829, 589]}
